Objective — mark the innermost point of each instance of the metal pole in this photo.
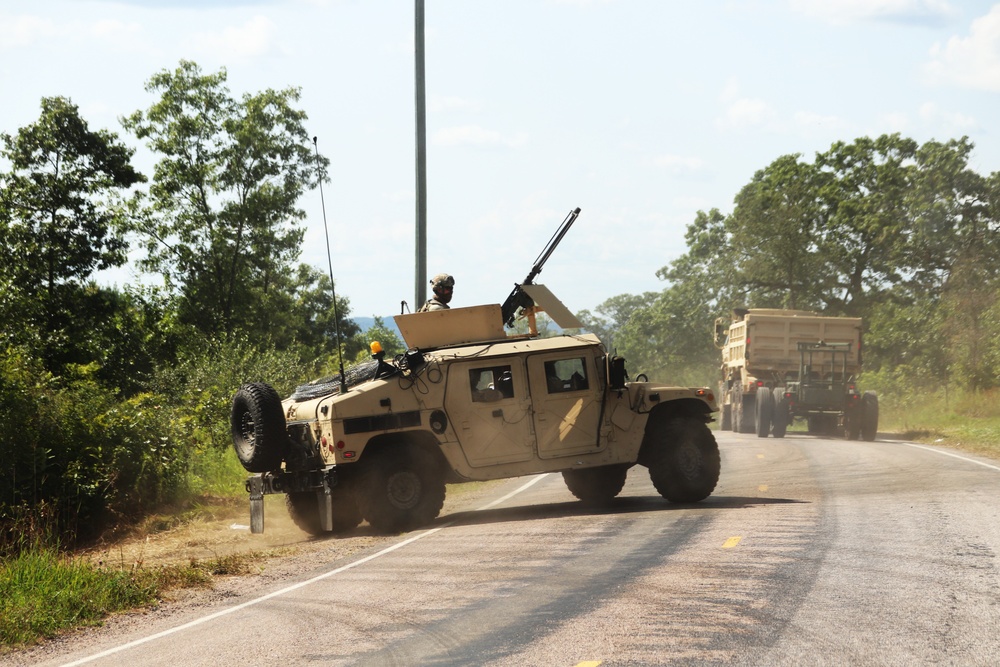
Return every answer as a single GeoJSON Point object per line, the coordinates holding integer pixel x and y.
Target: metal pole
{"type": "Point", "coordinates": [421, 241]}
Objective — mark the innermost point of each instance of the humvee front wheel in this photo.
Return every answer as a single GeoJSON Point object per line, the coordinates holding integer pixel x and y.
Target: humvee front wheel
{"type": "Point", "coordinates": [596, 486]}
{"type": "Point", "coordinates": [303, 507]}
{"type": "Point", "coordinates": [684, 463]}
{"type": "Point", "coordinates": [402, 488]}
{"type": "Point", "coordinates": [258, 427]}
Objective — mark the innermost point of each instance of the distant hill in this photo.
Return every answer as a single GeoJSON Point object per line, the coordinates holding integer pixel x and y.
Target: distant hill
{"type": "Point", "coordinates": [367, 323]}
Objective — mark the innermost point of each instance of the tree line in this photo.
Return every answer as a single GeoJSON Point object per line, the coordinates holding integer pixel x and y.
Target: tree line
{"type": "Point", "coordinates": [904, 235]}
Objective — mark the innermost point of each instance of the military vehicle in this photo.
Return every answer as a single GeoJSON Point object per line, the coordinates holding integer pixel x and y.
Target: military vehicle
{"type": "Point", "coordinates": [782, 365]}
{"type": "Point", "coordinates": [470, 401]}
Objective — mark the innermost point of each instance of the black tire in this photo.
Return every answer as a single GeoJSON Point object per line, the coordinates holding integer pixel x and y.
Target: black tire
{"type": "Point", "coordinates": [258, 427]}
{"type": "Point", "coordinates": [726, 423]}
{"type": "Point", "coordinates": [401, 488]}
{"type": "Point", "coordinates": [780, 418]}
{"type": "Point", "coordinates": [684, 460]}
{"type": "Point", "coordinates": [764, 409]}
{"type": "Point", "coordinates": [303, 507]}
{"type": "Point", "coordinates": [869, 416]}
{"type": "Point", "coordinates": [853, 420]}
{"type": "Point", "coordinates": [747, 422]}
{"type": "Point", "coordinates": [596, 486]}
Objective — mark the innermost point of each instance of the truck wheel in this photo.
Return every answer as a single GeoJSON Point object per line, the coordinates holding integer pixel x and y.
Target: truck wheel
{"type": "Point", "coordinates": [727, 418]}
{"type": "Point", "coordinates": [303, 507]}
{"type": "Point", "coordinates": [258, 427]}
{"type": "Point", "coordinates": [764, 411]}
{"type": "Point", "coordinates": [869, 415]}
{"type": "Point", "coordinates": [402, 488]}
{"type": "Point", "coordinates": [780, 419]}
{"type": "Point", "coordinates": [747, 421]}
{"type": "Point", "coordinates": [685, 466]}
{"type": "Point", "coordinates": [853, 419]}
{"type": "Point", "coordinates": [596, 486]}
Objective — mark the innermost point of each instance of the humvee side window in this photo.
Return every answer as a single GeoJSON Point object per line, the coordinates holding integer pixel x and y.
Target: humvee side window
{"type": "Point", "coordinates": [566, 375]}
{"type": "Point", "coordinates": [491, 384]}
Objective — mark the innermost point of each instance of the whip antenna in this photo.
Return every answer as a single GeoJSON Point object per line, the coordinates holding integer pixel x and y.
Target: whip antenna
{"type": "Point", "coordinates": [329, 263]}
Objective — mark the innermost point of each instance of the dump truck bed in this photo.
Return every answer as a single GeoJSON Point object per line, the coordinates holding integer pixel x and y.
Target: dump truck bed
{"type": "Point", "coordinates": [766, 339]}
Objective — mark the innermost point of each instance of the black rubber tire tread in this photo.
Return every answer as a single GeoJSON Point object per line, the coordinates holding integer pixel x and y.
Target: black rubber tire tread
{"type": "Point", "coordinates": [747, 422]}
{"type": "Point", "coordinates": [763, 410]}
{"type": "Point", "coordinates": [853, 419]}
{"type": "Point", "coordinates": [596, 486]}
{"type": "Point", "coordinates": [780, 416]}
{"type": "Point", "coordinates": [869, 416]}
{"type": "Point", "coordinates": [685, 465]}
{"type": "Point", "coordinates": [726, 421]}
{"type": "Point", "coordinates": [409, 471]}
{"type": "Point", "coordinates": [303, 508]}
{"type": "Point", "coordinates": [257, 423]}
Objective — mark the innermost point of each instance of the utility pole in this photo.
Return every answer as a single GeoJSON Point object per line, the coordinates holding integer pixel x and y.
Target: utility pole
{"type": "Point", "coordinates": [421, 245]}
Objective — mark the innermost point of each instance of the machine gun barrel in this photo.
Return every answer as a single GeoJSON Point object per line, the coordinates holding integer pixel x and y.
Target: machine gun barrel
{"type": "Point", "coordinates": [518, 298]}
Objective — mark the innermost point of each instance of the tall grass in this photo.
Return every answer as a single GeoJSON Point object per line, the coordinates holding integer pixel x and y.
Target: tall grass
{"type": "Point", "coordinates": [938, 414]}
{"type": "Point", "coordinates": [43, 592]}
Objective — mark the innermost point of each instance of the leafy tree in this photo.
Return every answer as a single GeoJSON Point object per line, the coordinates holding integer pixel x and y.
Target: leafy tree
{"type": "Point", "coordinates": [773, 232]}
{"type": "Point", "coordinates": [391, 343]}
{"type": "Point", "coordinates": [62, 214]}
{"type": "Point", "coordinates": [866, 192]}
{"type": "Point", "coordinates": [223, 223]}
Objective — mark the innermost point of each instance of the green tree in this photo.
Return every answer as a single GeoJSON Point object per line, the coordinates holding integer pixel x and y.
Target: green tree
{"type": "Point", "coordinates": [866, 191]}
{"type": "Point", "coordinates": [773, 233]}
{"type": "Point", "coordinates": [62, 215]}
{"type": "Point", "coordinates": [223, 226]}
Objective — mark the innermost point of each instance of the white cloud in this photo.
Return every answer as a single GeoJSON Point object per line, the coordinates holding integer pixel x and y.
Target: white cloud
{"type": "Point", "coordinates": [973, 61]}
{"type": "Point", "coordinates": [474, 135]}
{"type": "Point", "coordinates": [745, 112]}
{"type": "Point", "coordinates": [17, 31]}
{"type": "Point", "coordinates": [253, 38]}
{"type": "Point", "coordinates": [954, 122]}
{"type": "Point", "coordinates": [847, 11]}
{"type": "Point", "coordinates": [679, 164]}
{"type": "Point", "coordinates": [440, 103]}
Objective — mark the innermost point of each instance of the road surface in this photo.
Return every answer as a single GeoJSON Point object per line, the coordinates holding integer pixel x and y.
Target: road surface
{"type": "Point", "coordinates": [810, 551]}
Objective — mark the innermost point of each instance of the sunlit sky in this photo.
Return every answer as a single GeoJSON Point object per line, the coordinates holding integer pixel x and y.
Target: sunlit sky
{"type": "Point", "coordinates": [640, 112]}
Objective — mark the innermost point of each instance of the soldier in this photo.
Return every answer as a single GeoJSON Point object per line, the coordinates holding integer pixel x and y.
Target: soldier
{"type": "Point", "coordinates": [442, 284]}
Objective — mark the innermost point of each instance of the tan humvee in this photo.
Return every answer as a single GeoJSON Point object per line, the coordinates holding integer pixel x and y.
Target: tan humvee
{"type": "Point", "coordinates": [469, 402]}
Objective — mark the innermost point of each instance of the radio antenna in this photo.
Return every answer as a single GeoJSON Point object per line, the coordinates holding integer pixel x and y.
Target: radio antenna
{"type": "Point", "coordinates": [329, 262]}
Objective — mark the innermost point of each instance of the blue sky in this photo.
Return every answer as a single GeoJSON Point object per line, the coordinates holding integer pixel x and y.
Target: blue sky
{"type": "Point", "coordinates": [641, 112]}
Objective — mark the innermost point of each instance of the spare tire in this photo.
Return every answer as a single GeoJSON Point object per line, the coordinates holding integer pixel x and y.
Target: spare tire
{"type": "Point", "coordinates": [258, 427]}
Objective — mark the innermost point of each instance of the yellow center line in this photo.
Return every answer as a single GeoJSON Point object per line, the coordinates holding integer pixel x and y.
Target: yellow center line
{"type": "Point", "coordinates": [731, 542]}
{"type": "Point", "coordinates": [760, 456]}
{"type": "Point", "coordinates": [589, 663]}
{"type": "Point", "coordinates": [762, 487]}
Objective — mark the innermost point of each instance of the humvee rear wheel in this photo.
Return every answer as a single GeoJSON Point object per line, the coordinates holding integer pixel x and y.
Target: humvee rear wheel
{"type": "Point", "coordinates": [257, 424]}
{"type": "Point", "coordinates": [869, 415]}
{"type": "Point", "coordinates": [684, 463]}
{"type": "Point", "coordinates": [303, 507]}
{"type": "Point", "coordinates": [402, 488]}
{"type": "Point", "coordinates": [596, 486]}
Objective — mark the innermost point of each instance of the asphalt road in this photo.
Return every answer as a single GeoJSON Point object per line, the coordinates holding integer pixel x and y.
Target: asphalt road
{"type": "Point", "coordinates": [811, 551]}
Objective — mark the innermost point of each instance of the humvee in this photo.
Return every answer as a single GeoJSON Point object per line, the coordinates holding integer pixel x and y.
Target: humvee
{"type": "Point", "coordinates": [468, 401]}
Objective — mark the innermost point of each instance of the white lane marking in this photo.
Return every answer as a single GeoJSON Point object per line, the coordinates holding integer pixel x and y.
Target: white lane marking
{"type": "Point", "coordinates": [293, 587]}
{"type": "Point", "coordinates": [954, 456]}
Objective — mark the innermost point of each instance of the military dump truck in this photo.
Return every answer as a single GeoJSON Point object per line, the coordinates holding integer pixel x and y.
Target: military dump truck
{"type": "Point", "coordinates": [781, 365]}
{"type": "Point", "coordinates": [468, 401]}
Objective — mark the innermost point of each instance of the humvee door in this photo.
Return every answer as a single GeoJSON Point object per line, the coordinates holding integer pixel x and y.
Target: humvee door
{"type": "Point", "coordinates": [489, 407]}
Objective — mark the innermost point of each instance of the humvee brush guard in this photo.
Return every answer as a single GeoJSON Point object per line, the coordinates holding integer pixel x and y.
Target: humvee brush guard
{"type": "Point", "coordinates": [468, 402]}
